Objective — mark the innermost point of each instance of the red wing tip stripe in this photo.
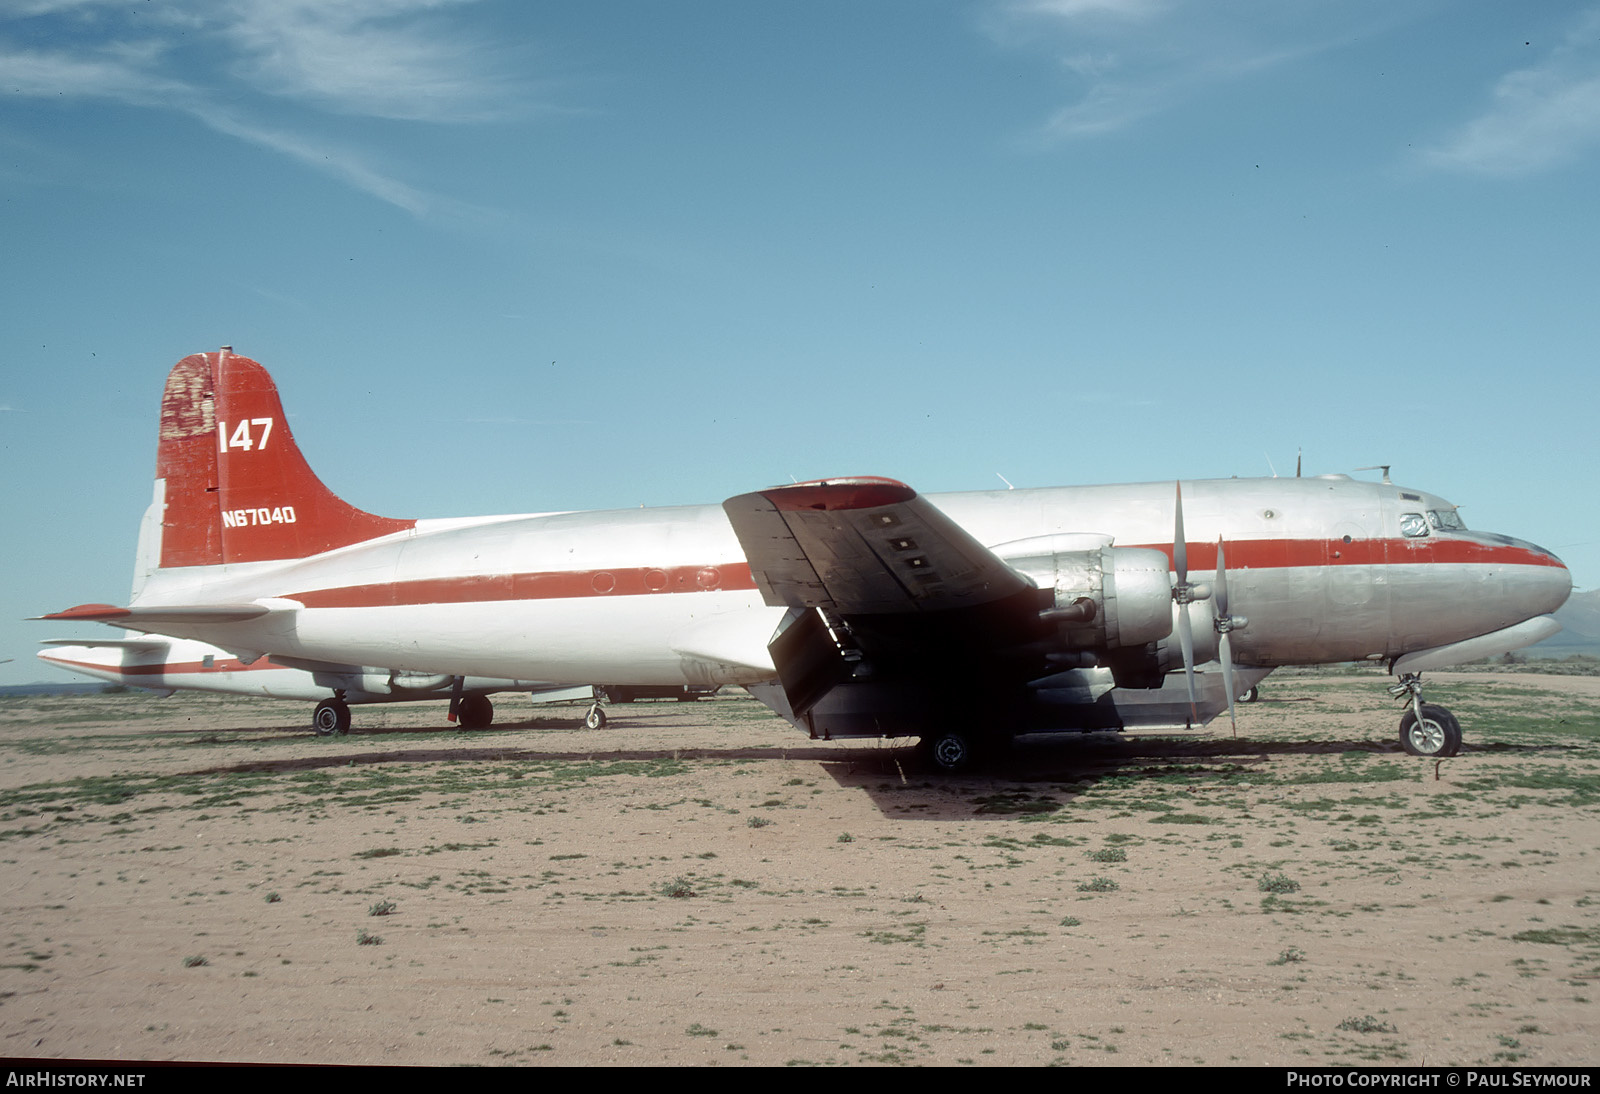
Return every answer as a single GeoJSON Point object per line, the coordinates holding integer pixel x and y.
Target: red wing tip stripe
{"type": "Point", "coordinates": [90, 611]}
{"type": "Point", "coordinates": [868, 492]}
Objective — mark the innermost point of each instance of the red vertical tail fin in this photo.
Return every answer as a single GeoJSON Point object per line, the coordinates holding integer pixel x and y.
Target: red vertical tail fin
{"type": "Point", "coordinates": [236, 488]}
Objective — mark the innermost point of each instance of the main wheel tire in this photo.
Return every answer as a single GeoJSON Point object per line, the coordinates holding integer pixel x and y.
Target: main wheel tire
{"type": "Point", "coordinates": [1438, 734]}
{"type": "Point", "coordinates": [595, 719]}
{"type": "Point", "coordinates": [950, 751]}
{"type": "Point", "coordinates": [1251, 694]}
{"type": "Point", "coordinates": [475, 712]}
{"type": "Point", "coordinates": [331, 716]}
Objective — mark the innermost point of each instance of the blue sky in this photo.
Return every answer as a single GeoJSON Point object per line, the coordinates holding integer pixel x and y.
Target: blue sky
{"type": "Point", "coordinates": [508, 257]}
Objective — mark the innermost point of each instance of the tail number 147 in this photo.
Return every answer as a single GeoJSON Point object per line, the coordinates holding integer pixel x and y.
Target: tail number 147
{"type": "Point", "coordinates": [241, 437]}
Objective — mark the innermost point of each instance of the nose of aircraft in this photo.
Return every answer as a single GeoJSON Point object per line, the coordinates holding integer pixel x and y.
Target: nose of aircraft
{"type": "Point", "coordinates": [1545, 585]}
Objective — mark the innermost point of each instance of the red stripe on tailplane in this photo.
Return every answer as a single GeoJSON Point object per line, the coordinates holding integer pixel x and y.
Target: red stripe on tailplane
{"type": "Point", "coordinates": [865, 492]}
{"type": "Point", "coordinates": [237, 487]}
{"type": "Point", "coordinates": [187, 668]}
{"type": "Point", "coordinates": [96, 613]}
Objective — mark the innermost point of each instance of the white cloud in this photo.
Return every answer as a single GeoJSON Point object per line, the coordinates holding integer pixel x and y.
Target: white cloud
{"type": "Point", "coordinates": [1077, 9]}
{"type": "Point", "coordinates": [38, 75]}
{"type": "Point", "coordinates": [1131, 59]}
{"type": "Point", "coordinates": [1540, 117]}
{"type": "Point", "coordinates": [380, 58]}
{"type": "Point", "coordinates": [233, 65]}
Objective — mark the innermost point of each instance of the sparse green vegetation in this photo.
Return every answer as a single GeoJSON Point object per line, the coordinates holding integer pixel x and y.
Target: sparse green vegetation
{"type": "Point", "coordinates": [678, 888]}
{"type": "Point", "coordinates": [1365, 1024]}
{"type": "Point", "coordinates": [195, 827]}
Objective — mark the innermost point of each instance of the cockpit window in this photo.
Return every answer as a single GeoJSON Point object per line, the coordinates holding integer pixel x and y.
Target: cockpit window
{"type": "Point", "coordinates": [1413, 525]}
{"type": "Point", "coordinates": [1447, 519]}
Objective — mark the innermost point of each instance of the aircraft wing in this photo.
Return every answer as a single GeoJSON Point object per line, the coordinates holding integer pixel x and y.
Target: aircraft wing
{"type": "Point", "coordinates": [895, 610]}
{"type": "Point", "coordinates": [864, 546]}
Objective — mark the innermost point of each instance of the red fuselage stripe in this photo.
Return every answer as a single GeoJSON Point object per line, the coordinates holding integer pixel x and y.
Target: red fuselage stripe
{"type": "Point", "coordinates": [558, 585]}
{"type": "Point", "coordinates": [172, 669]}
{"type": "Point", "coordinates": [1264, 554]}
{"type": "Point", "coordinates": [642, 581]}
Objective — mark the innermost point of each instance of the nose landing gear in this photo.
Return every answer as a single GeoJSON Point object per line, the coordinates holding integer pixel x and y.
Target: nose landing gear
{"type": "Point", "coordinates": [1425, 729]}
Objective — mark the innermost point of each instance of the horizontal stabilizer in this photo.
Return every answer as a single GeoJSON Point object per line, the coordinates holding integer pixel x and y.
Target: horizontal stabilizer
{"type": "Point", "coordinates": [153, 619]}
{"type": "Point", "coordinates": [132, 645]}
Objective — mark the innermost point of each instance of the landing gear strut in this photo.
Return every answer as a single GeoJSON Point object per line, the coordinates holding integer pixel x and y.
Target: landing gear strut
{"type": "Point", "coordinates": [1425, 729]}
{"type": "Point", "coordinates": [595, 719]}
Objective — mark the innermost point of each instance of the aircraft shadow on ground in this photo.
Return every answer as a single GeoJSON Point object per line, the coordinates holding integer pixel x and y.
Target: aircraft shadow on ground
{"type": "Point", "coordinates": [1039, 774]}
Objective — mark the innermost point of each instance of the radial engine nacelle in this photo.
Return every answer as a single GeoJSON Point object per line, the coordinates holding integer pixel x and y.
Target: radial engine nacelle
{"type": "Point", "coordinates": [1105, 597]}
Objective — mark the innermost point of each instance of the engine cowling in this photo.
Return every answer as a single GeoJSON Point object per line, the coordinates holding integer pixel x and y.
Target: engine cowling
{"type": "Point", "coordinates": [1105, 597]}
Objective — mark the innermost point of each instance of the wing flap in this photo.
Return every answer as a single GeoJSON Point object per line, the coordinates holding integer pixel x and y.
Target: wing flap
{"type": "Point", "coordinates": [864, 546]}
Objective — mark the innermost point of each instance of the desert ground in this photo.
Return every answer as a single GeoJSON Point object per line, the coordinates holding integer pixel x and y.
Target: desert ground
{"type": "Point", "coordinates": [200, 878]}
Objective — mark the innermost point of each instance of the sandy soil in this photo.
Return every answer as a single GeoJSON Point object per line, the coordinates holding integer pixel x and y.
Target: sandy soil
{"type": "Point", "coordinates": [697, 884]}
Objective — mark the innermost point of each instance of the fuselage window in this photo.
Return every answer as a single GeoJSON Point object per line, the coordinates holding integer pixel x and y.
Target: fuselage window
{"type": "Point", "coordinates": [1413, 525]}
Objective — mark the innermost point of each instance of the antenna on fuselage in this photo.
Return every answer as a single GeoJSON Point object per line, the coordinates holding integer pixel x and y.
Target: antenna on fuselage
{"type": "Point", "coordinates": [1297, 456]}
{"type": "Point", "coordinates": [1005, 480]}
{"type": "Point", "coordinates": [1384, 467]}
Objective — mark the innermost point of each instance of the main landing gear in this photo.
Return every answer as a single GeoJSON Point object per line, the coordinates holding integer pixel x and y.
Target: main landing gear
{"type": "Point", "coordinates": [331, 716]}
{"type": "Point", "coordinates": [1425, 729]}
{"type": "Point", "coordinates": [949, 751]}
{"type": "Point", "coordinates": [475, 712]}
{"type": "Point", "coordinates": [956, 751]}
{"type": "Point", "coordinates": [595, 718]}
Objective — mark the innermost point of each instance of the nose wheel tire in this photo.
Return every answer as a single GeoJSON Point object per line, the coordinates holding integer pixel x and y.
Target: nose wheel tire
{"type": "Point", "coordinates": [595, 719]}
{"type": "Point", "coordinates": [1436, 734]}
{"type": "Point", "coordinates": [1250, 695]}
{"type": "Point", "coordinates": [331, 716]}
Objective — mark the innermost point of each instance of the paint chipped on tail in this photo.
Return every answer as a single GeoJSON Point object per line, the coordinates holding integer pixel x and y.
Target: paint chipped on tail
{"type": "Point", "coordinates": [231, 484]}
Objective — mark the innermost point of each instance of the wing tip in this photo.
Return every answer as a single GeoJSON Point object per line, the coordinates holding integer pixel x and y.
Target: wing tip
{"type": "Point", "coordinates": [858, 492]}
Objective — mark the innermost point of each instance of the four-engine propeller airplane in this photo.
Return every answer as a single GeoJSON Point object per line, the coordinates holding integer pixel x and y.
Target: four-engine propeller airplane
{"type": "Point", "coordinates": [854, 607]}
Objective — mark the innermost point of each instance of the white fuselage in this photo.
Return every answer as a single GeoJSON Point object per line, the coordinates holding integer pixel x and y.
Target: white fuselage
{"type": "Point", "coordinates": [1323, 568]}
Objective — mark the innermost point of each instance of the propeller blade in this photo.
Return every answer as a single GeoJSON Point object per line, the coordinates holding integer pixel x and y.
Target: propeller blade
{"type": "Point", "coordinates": [1180, 549]}
{"type": "Point", "coordinates": [1219, 605]}
{"type": "Point", "coordinates": [1220, 588]}
{"type": "Point", "coordinates": [1186, 640]}
{"type": "Point", "coordinates": [1225, 655]}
